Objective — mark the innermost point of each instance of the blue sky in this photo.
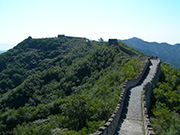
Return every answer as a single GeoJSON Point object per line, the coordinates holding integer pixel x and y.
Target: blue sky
{"type": "Point", "coordinates": [150, 20]}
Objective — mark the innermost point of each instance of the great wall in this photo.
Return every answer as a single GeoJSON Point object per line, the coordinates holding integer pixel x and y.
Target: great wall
{"type": "Point", "coordinates": [131, 114]}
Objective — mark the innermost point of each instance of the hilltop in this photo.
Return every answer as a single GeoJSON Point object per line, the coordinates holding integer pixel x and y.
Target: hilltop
{"type": "Point", "coordinates": [62, 85]}
{"type": "Point", "coordinates": [69, 85]}
{"type": "Point", "coordinates": [166, 52]}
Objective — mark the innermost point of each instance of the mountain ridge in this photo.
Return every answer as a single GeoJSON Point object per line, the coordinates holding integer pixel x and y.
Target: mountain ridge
{"type": "Point", "coordinates": [137, 38]}
{"type": "Point", "coordinates": [166, 52]}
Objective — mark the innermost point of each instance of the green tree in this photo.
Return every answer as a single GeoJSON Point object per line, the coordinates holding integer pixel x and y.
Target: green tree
{"type": "Point", "coordinates": [75, 111]}
{"type": "Point", "coordinates": [101, 40]}
{"type": "Point", "coordinates": [166, 110]}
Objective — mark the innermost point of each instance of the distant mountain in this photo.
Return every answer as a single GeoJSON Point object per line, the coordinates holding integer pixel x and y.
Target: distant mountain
{"type": "Point", "coordinates": [166, 52]}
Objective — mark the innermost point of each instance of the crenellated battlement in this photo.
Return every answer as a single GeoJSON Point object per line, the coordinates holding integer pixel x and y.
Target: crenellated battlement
{"type": "Point", "coordinates": [111, 125]}
{"type": "Point", "coordinates": [146, 98]}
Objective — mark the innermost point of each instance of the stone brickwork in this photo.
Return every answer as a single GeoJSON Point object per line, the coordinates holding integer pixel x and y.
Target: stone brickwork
{"type": "Point", "coordinates": [113, 41]}
{"type": "Point", "coordinates": [146, 98]}
{"type": "Point", "coordinates": [70, 37]}
{"type": "Point", "coordinates": [127, 51]}
{"type": "Point", "coordinates": [110, 126]}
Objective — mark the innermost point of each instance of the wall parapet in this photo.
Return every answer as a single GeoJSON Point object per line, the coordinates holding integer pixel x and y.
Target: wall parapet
{"type": "Point", "coordinates": [127, 51]}
{"type": "Point", "coordinates": [146, 96]}
{"type": "Point", "coordinates": [110, 126]}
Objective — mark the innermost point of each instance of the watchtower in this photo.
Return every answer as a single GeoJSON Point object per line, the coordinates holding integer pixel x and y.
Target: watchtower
{"type": "Point", "coordinates": [61, 36]}
{"type": "Point", "coordinates": [113, 41]}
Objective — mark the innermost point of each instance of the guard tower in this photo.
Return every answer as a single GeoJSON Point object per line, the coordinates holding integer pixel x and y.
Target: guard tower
{"type": "Point", "coordinates": [61, 36]}
{"type": "Point", "coordinates": [113, 41]}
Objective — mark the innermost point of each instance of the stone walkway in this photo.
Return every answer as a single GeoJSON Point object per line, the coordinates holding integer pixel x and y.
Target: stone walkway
{"type": "Point", "coordinates": [131, 121]}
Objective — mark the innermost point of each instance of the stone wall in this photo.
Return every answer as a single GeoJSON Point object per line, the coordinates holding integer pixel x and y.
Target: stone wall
{"type": "Point", "coordinates": [110, 126]}
{"type": "Point", "coordinates": [61, 36]}
{"type": "Point", "coordinates": [70, 37]}
{"type": "Point", "coordinates": [146, 98]}
{"type": "Point", "coordinates": [115, 42]}
{"type": "Point", "coordinates": [127, 51]}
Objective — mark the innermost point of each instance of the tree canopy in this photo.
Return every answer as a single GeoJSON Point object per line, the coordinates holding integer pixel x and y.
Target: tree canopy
{"type": "Point", "coordinates": [61, 85]}
{"type": "Point", "coordinates": [165, 115]}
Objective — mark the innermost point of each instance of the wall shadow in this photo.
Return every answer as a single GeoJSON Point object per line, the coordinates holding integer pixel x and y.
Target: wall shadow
{"type": "Point", "coordinates": [127, 99]}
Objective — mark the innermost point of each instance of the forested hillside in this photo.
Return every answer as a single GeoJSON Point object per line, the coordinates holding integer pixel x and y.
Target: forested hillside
{"type": "Point", "coordinates": [61, 85]}
{"type": "Point", "coordinates": [165, 115]}
{"type": "Point", "coordinates": [33, 55]}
